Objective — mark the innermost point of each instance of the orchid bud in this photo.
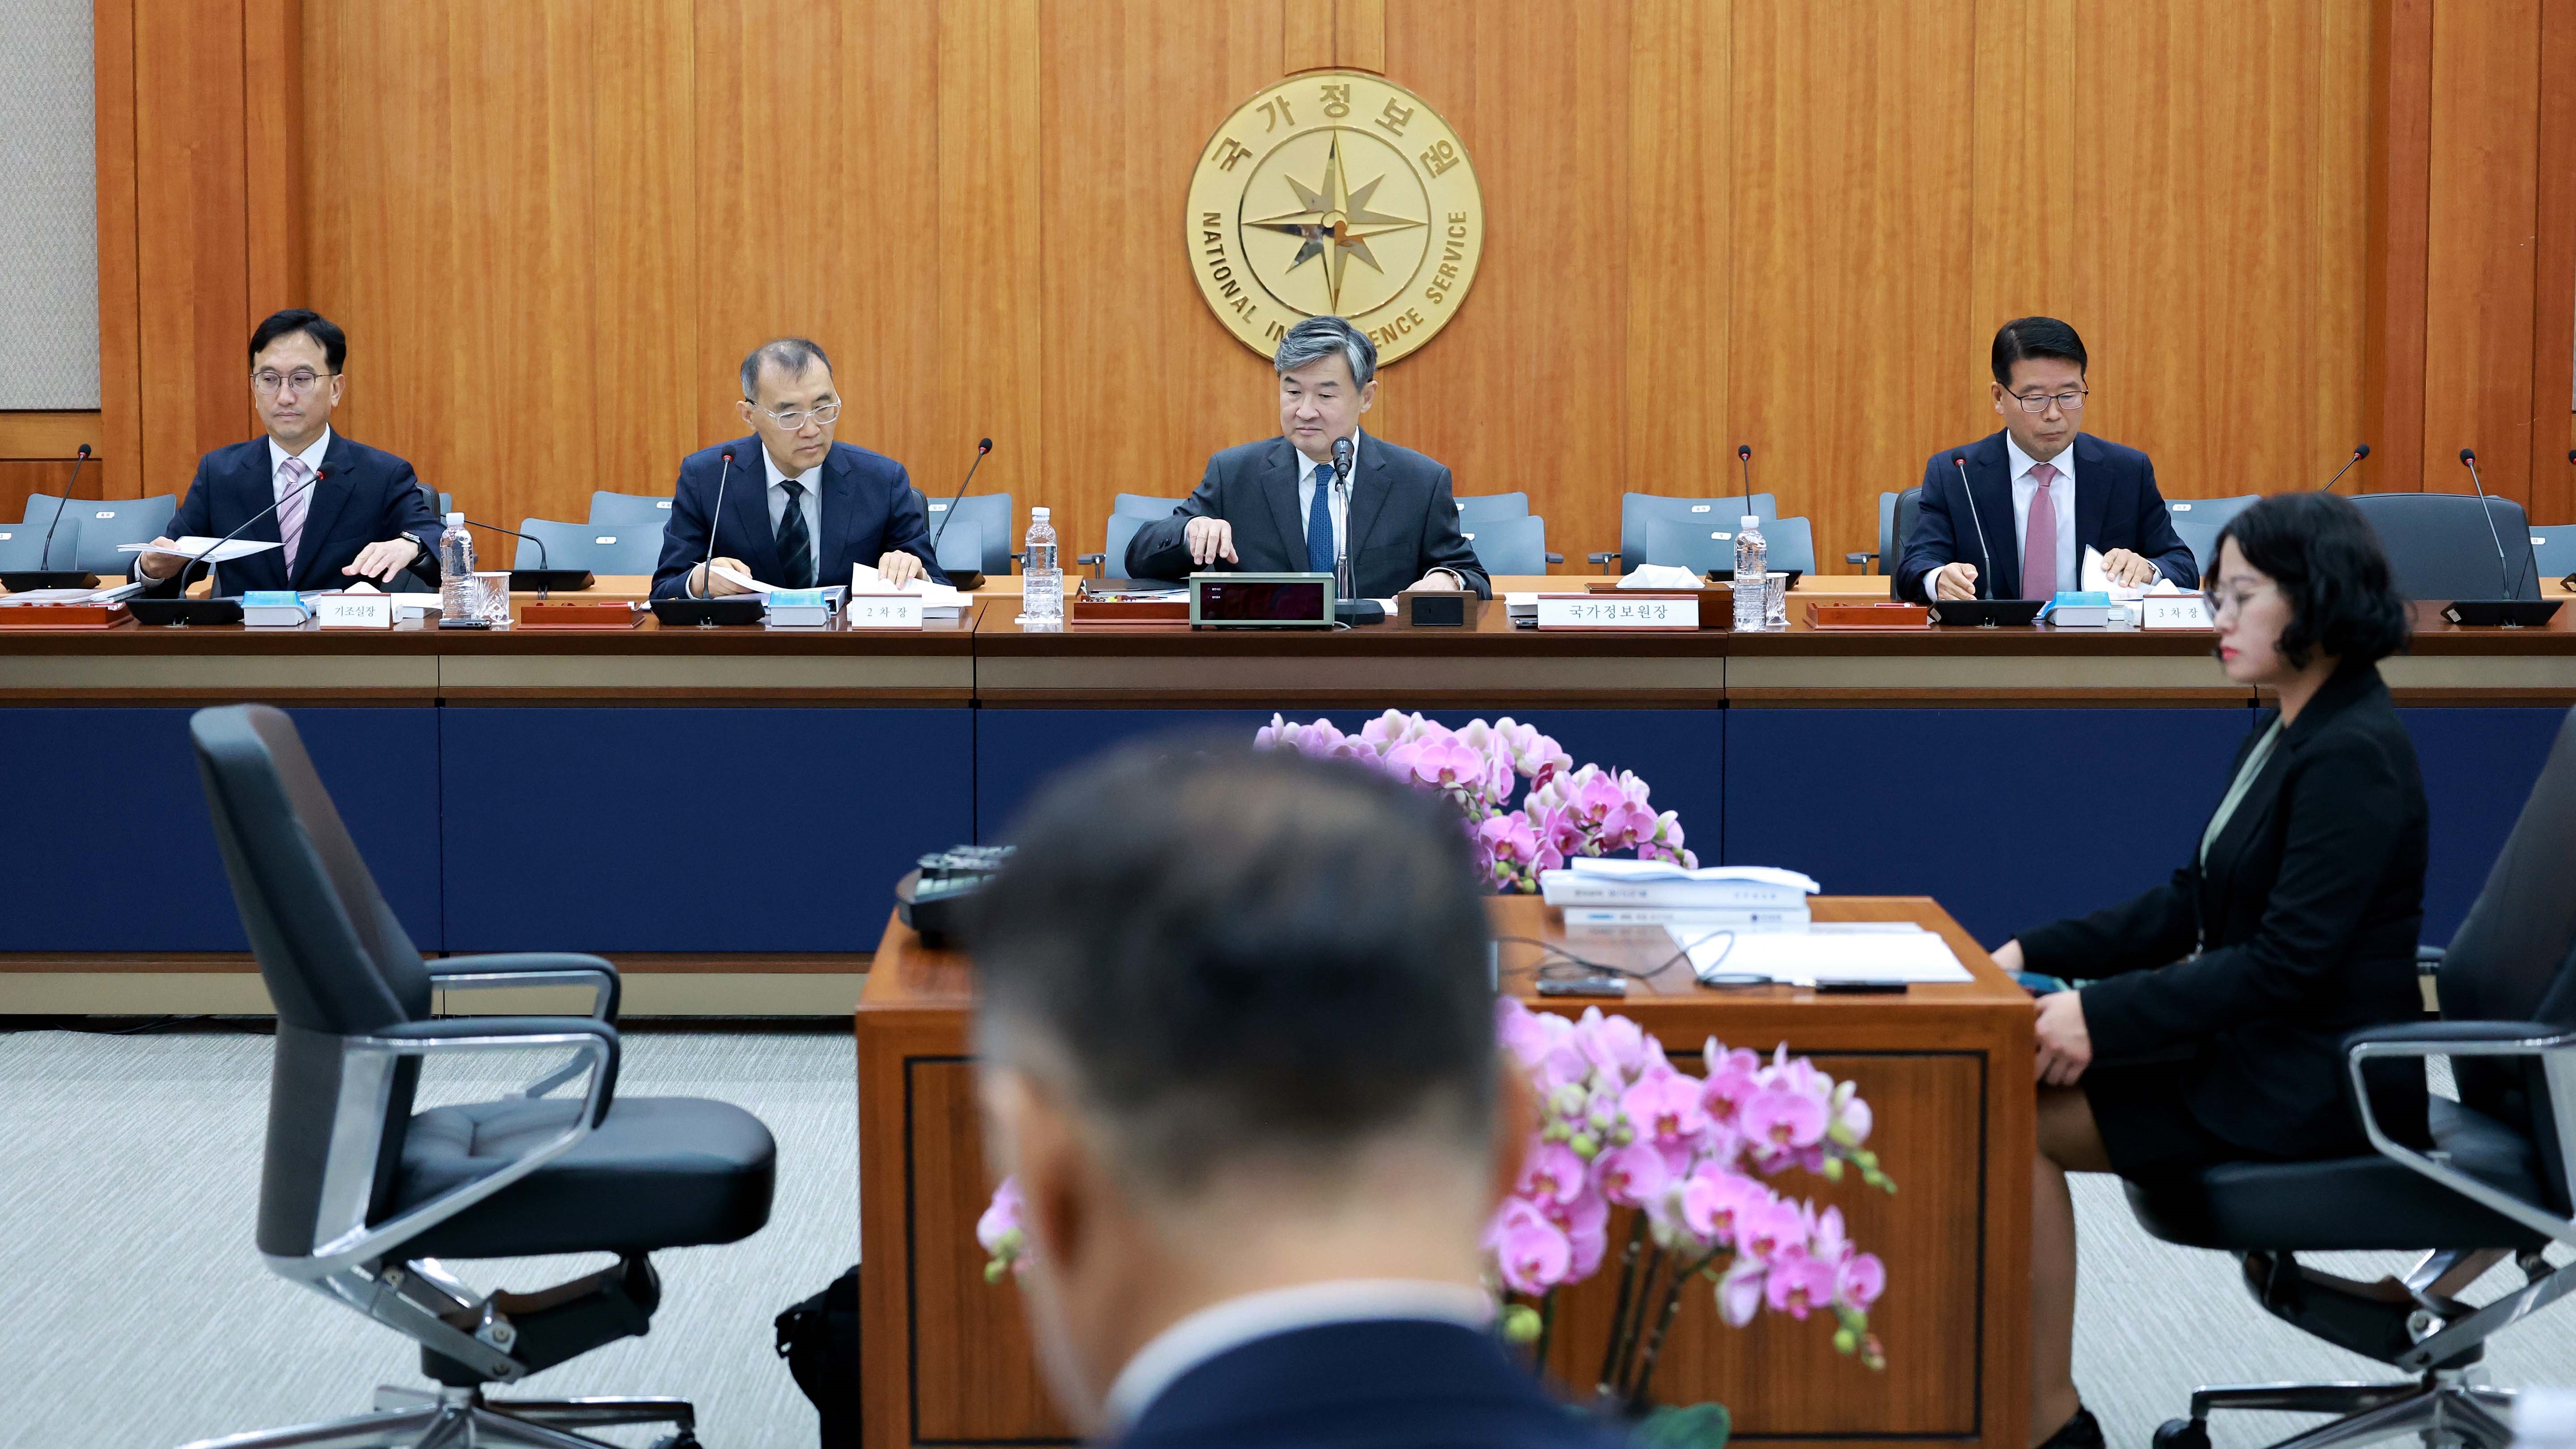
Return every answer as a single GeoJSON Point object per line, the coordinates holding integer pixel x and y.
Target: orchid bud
{"type": "Point", "coordinates": [1846, 1341]}
{"type": "Point", "coordinates": [1622, 1135]}
{"type": "Point", "coordinates": [1555, 1132]}
{"type": "Point", "coordinates": [1520, 1323]}
{"type": "Point", "coordinates": [1569, 1100]}
{"type": "Point", "coordinates": [1833, 1169]}
{"type": "Point", "coordinates": [1585, 1145]}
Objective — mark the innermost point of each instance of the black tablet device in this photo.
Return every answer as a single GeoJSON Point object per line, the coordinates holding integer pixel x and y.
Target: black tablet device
{"type": "Point", "coordinates": [725, 609]}
{"type": "Point", "coordinates": [1987, 613]}
{"type": "Point", "coordinates": [181, 613]}
{"type": "Point", "coordinates": [569, 581]}
{"type": "Point", "coordinates": [2502, 613]}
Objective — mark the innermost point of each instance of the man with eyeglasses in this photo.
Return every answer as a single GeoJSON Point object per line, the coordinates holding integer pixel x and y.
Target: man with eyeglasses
{"type": "Point", "coordinates": [799, 508]}
{"type": "Point", "coordinates": [342, 511]}
{"type": "Point", "coordinates": [2036, 495]}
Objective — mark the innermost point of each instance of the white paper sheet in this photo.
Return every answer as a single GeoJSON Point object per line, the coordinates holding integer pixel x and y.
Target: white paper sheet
{"type": "Point", "coordinates": [864, 579]}
{"type": "Point", "coordinates": [1810, 957]}
{"type": "Point", "coordinates": [741, 580]}
{"type": "Point", "coordinates": [1625, 869]}
{"type": "Point", "coordinates": [194, 544]}
{"type": "Point", "coordinates": [1660, 576]}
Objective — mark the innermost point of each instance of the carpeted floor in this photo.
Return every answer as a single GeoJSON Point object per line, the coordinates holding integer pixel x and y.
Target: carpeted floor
{"type": "Point", "coordinates": [135, 1314]}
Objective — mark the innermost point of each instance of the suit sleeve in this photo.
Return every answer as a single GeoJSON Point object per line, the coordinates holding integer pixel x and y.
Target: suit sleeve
{"type": "Point", "coordinates": [684, 537]}
{"type": "Point", "coordinates": [1158, 551]}
{"type": "Point", "coordinates": [1444, 546]}
{"type": "Point", "coordinates": [195, 517]}
{"type": "Point", "coordinates": [907, 527]}
{"type": "Point", "coordinates": [2148, 931]}
{"type": "Point", "coordinates": [408, 514]}
{"type": "Point", "coordinates": [2346, 809]}
{"type": "Point", "coordinates": [1933, 542]}
{"type": "Point", "coordinates": [2158, 543]}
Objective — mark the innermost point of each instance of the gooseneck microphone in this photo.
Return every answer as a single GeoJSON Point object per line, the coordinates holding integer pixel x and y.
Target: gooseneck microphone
{"type": "Point", "coordinates": [983, 446]}
{"type": "Point", "coordinates": [1744, 461]}
{"type": "Point", "coordinates": [1986, 569]}
{"type": "Point", "coordinates": [2505, 572]}
{"type": "Point", "coordinates": [542, 562]}
{"type": "Point", "coordinates": [44, 558]}
{"type": "Point", "coordinates": [707, 566]}
{"type": "Point", "coordinates": [1342, 494]}
{"type": "Point", "coordinates": [201, 555]}
{"type": "Point", "coordinates": [2359, 452]}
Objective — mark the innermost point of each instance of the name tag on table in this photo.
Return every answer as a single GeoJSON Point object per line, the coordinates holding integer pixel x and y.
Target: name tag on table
{"type": "Point", "coordinates": [2174, 611]}
{"type": "Point", "coordinates": [885, 611]}
{"type": "Point", "coordinates": [353, 611]}
{"type": "Point", "coordinates": [1608, 611]}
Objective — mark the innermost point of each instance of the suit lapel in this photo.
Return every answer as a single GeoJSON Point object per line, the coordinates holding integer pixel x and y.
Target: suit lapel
{"type": "Point", "coordinates": [840, 509]}
{"type": "Point", "coordinates": [257, 482]}
{"type": "Point", "coordinates": [1279, 485]}
{"type": "Point", "coordinates": [330, 498]}
{"type": "Point", "coordinates": [2093, 484]}
{"type": "Point", "coordinates": [1990, 480]}
{"type": "Point", "coordinates": [1369, 502]}
{"type": "Point", "coordinates": [746, 519]}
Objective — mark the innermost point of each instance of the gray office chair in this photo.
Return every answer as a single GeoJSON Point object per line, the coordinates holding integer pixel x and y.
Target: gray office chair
{"type": "Point", "coordinates": [1475, 510]}
{"type": "Point", "coordinates": [2495, 1185]}
{"type": "Point", "coordinates": [2200, 535]}
{"type": "Point", "coordinates": [23, 544]}
{"type": "Point", "coordinates": [1909, 506]}
{"type": "Point", "coordinates": [2213, 511]}
{"type": "Point", "coordinates": [365, 1201]}
{"type": "Point", "coordinates": [1885, 558]}
{"type": "Point", "coordinates": [41, 506]}
{"type": "Point", "coordinates": [1111, 561]}
{"type": "Point", "coordinates": [1142, 505]}
{"type": "Point", "coordinates": [990, 513]}
{"type": "Point", "coordinates": [2553, 549]}
{"type": "Point", "coordinates": [1789, 543]}
{"type": "Point", "coordinates": [104, 525]}
{"type": "Point", "coordinates": [1511, 545]}
{"type": "Point", "coordinates": [1638, 510]}
{"type": "Point", "coordinates": [2440, 546]}
{"type": "Point", "coordinates": [629, 510]}
{"type": "Point", "coordinates": [598, 547]}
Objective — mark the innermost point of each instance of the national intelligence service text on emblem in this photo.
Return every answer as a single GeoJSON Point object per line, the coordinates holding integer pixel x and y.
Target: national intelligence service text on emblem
{"type": "Point", "coordinates": [1335, 192]}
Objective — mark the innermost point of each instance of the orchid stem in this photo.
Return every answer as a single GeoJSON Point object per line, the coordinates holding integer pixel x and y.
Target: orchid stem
{"type": "Point", "coordinates": [1546, 1328]}
{"type": "Point", "coordinates": [1642, 1390]}
{"type": "Point", "coordinates": [1627, 1290]}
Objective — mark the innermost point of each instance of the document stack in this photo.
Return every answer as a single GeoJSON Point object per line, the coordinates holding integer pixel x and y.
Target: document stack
{"type": "Point", "coordinates": [1602, 892]}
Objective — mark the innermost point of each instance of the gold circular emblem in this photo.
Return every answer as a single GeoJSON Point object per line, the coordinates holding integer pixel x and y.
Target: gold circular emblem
{"type": "Point", "coordinates": [1335, 192]}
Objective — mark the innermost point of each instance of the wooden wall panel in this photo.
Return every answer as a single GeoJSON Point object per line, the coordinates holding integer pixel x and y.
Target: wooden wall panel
{"type": "Point", "coordinates": [1681, 164]}
{"type": "Point", "coordinates": [2553, 348]}
{"type": "Point", "coordinates": [2480, 260]}
{"type": "Point", "coordinates": [990, 280]}
{"type": "Point", "coordinates": [1540, 94]}
{"type": "Point", "coordinates": [120, 316]}
{"type": "Point", "coordinates": [646, 231]}
{"type": "Point", "coordinates": [21, 477]}
{"type": "Point", "coordinates": [1851, 245]}
{"type": "Point", "coordinates": [275, 124]}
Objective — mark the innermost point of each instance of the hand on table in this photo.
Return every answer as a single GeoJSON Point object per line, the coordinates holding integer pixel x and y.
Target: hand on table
{"type": "Point", "coordinates": [1209, 539]}
{"type": "Point", "coordinates": [2128, 569]}
{"type": "Point", "coordinates": [381, 561]}
{"type": "Point", "coordinates": [703, 579]}
{"type": "Point", "coordinates": [1438, 581]}
{"type": "Point", "coordinates": [2008, 955]}
{"type": "Point", "coordinates": [898, 568]}
{"type": "Point", "coordinates": [2065, 1047]}
{"type": "Point", "coordinates": [1955, 581]}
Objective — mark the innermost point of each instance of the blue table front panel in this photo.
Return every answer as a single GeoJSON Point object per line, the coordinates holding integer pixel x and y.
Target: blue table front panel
{"type": "Point", "coordinates": [133, 866]}
{"type": "Point", "coordinates": [2479, 765]}
{"type": "Point", "coordinates": [693, 830]}
{"type": "Point", "coordinates": [1676, 750]}
{"type": "Point", "coordinates": [2008, 817]}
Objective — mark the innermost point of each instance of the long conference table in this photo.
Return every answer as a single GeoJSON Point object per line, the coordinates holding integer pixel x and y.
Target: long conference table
{"type": "Point", "coordinates": [723, 811]}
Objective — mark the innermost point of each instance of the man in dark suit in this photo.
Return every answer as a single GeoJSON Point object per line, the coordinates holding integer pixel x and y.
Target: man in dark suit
{"type": "Point", "coordinates": [1235, 1041]}
{"type": "Point", "coordinates": [365, 517]}
{"type": "Point", "coordinates": [799, 508]}
{"type": "Point", "coordinates": [1272, 507]}
{"type": "Point", "coordinates": [2039, 493]}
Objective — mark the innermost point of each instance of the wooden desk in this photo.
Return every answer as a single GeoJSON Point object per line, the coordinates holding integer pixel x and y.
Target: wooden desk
{"type": "Point", "coordinates": [1945, 1068]}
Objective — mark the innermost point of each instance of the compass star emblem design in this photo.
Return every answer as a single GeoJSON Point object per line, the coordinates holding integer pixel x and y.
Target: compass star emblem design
{"type": "Point", "coordinates": [1334, 223]}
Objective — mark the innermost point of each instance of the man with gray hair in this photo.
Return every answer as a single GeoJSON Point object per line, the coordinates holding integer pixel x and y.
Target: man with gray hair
{"type": "Point", "coordinates": [799, 508]}
{"type": "Point", "coordinates": [1274, 507]}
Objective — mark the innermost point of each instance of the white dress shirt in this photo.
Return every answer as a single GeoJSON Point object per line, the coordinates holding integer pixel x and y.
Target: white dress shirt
{"type": "Point", "coordinates": [811, 505]}
{"type": "Point", "coordinates": [1309, 474]}
{"type": "Point", "coordinates": [2061, 492]}
{"type": "Point", "coordinates": [311, 456]}
{"type": "Point", "coordinates": [1215, 1329]}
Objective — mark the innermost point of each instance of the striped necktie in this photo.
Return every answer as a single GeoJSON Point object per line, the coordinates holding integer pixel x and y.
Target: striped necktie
{"type": "Point", "coordinates": [295, 500]}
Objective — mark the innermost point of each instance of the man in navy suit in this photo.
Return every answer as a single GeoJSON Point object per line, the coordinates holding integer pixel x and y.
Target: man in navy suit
{"type": "Point", "coordinates": [342, 510]}
{"type": "Point", "coordinates": [799, 508]}
{"type": "Point", "coordinates": [2039, 493]}
{"type": "Point", "coordinates": [1235, 1041]}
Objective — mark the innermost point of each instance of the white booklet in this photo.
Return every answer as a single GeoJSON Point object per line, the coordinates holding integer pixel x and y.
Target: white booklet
{"type": "Point", "coordinates": [224, 550]}
{"type": "Point", "coordinates": [1822, 954]}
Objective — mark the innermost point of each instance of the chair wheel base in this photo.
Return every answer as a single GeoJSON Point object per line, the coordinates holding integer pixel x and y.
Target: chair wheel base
{"type": "Point", "coordinates": [2182, 1434]}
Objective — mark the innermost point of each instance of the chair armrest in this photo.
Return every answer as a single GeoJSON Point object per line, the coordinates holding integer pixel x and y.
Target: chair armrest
{"type": "Point", "coordinates": [1602, 558]}
{"type": "Point", "coordinates": [531, 968]}
{"type": "Point", "coordinates": [1859, 560]}
{"type": "Point", "coordinates": [2429, 957]}
{"type": "Point", "coordinates": [1094, 559]}
{"type": "Point", "coordinates": [2556, 1045]}
{"type": "Point", "coordinates": [1554, 557]}
{"type": "Point", "coordinates": [595, 1043]}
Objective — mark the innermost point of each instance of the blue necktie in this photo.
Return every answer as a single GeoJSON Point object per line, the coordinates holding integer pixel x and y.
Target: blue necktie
{"type": "Point", "coordinates": [1319, 525]}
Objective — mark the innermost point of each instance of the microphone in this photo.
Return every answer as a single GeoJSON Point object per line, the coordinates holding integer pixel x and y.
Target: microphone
{"type": "Point", "coordinates": [1744, 459]}
{"type": "Point", "coordinates": [200, 557]}
{"type": "Point", "coordinates": [2359, 452]}
{"type": "Point", "coordinates": [44, 558]}
{"type": "Point", "coordinates": [983, 446]}
{"type": "Point", "coordinates": [1986, 571]}
{"type": "Point", "coordinates": [1342, 494]}
{"type": "Point", "coordinates": [715, 520]}
{"type": "Point", "coordinates": [543, 563]}
{"type": "Point", "coordinates": [2504, 570]}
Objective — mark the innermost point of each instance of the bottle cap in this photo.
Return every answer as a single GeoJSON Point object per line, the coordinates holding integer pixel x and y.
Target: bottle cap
{"type": "Point", "coordinates": [456, 520]}
{"type": "Point", "coordinates": [1037, 513]}
{"type": "Point", "coordinates": [1751, 521]}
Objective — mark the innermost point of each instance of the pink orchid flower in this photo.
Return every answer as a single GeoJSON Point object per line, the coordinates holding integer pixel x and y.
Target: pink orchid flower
{"type": "Point", "coordinates": [1614, 1043]}
{"type": "Point", "coordinates": [1586, 1221]}
{"type": "Point", "coordinates": [1739, 1291]}
{"type": "Point", "coordinates": [1553, 1175]}
{"type": "Point", "coordinates": [1780, 1122]}
{"type": "Point", "coordinates": [1716, 1201]}
{"type": "Point", "coordinates": [1634, 1175]}
{"type": "Point", "coordinates": [1666, 1114]}
{"type": "Point", "coordinates": [1798, 1283]}
{"type": "Point", "coordinates": [1531, 1253]}
{"type": "Point", "coordinates": [1859, 1280]}
{"type": "Point", "coordinates": [1763, 1229]}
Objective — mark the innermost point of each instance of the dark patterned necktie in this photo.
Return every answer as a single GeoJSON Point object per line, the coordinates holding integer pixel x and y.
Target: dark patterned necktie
{"type": "Point", "coordinates": [795, 545]}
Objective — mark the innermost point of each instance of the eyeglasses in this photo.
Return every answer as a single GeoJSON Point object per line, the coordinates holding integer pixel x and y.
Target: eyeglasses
{"type": "Point", "coordinates": [303, 379]}
{"type": "Point", "coordinates": [2067, 402]}
{"type": "Point", "coordinates": [793, 419]}
{"type": "Point", "coordinates": [2232, 600]}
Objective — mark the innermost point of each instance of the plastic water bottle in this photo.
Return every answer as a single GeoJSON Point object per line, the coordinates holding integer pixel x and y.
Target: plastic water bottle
{"type": "Point", "coordinates": [456, 596]}
{"type": "Point", "coordinates": [1041, 580]}
{"type": "Point", "coordinates": [1752, 575]}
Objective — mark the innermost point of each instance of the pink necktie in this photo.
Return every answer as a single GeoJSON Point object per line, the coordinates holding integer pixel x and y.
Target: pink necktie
{"type": "Point", "coordinates": [290, 513]}
{"type": "Point", "coordinates": [2039, 545]}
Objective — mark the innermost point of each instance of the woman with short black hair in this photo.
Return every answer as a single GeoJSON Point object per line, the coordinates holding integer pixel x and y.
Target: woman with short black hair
{"type": "Point", "coordinates": [2210, 1027]}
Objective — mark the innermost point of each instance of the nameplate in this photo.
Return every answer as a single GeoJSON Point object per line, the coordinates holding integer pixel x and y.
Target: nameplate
{"type": "Point", "coordinates": [353, 611]}
{"type": "Point", "coordinates": [1610, 611]}
{"type": "Point", "coordinates": [885, 611]}
{"type": "Point", "coordinates": [2174, 611]}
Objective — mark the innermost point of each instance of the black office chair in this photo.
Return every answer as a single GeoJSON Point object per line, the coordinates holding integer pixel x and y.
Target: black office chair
{"type": "Point", "coordinates": [361, 1198]}
{"type": "Point", "coordinates": [2495, 1186]}
{"type": "Point", "coordinates": [2441, 546]}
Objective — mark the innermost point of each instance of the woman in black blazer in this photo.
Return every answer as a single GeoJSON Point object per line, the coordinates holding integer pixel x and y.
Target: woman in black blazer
{"type": "Point", "coordinates": [2211, 1026]}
